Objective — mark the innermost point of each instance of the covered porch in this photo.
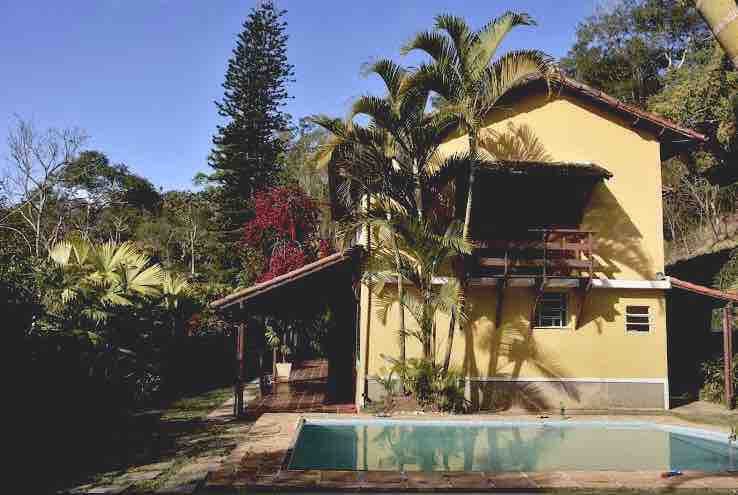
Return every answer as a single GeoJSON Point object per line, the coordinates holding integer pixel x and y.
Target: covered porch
{"type": "Point", "coordinates": [325, 385]}
{"type": "Point", "coordinates": [306, 391]}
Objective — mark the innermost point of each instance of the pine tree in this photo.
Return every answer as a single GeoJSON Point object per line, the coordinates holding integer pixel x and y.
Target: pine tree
{"type": "Point", "coordinates": [247, 150]}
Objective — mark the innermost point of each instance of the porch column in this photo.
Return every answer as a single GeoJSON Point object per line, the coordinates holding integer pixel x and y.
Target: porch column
{"type": "Point", "coordinates": [728, 353]}
{"type": "Point", "coordinates": [238, 387]}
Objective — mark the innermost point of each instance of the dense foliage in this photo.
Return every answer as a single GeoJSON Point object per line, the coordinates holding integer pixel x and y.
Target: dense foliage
{"type": "Point", "coordinates": [713, 388]}
{"type": "Point", "coordinates": [627, 47]}
{"type": "Point", "coordinates": [283, 231]}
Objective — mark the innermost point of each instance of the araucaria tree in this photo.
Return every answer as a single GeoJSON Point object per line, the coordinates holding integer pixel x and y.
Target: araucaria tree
{"type": "Point", "coordinates": [247, 148]}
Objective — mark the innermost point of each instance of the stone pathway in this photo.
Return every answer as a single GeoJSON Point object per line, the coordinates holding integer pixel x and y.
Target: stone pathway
{"type": "Point", "coordinates": [225, 440]}
{"type": "Point", "coordinates": [174, 476]}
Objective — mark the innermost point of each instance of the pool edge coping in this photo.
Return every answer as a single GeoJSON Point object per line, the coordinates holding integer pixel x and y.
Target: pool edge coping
{"type": "Point", "coordinates": [271, 475]}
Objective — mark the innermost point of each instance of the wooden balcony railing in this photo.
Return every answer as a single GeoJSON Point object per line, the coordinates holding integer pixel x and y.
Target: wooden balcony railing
{"type": "Point", "coordinates": [543, 252]}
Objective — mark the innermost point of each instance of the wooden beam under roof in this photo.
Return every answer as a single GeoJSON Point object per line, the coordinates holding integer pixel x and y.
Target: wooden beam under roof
{"type": "Point", "coordinates": [704, 291]}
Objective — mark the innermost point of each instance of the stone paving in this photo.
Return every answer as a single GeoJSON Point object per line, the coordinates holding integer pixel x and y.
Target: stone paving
{"type": "Point", "coordinates": [186, 479]}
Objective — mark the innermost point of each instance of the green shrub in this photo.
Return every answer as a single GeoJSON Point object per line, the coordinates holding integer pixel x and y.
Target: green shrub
{"type": "Point", "coordinates": [432, 388]}
{"type": "Point", "coordinates": [388, 382]}
{"type": "Point", "coordinates": [451, 393]}
{"type": "Point", "coordinates": [421, 377]}
{"type": "Point", "coordinates": [713, 388]}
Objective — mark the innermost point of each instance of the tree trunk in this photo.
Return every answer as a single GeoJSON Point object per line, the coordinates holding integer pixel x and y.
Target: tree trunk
{"type": "Point", "coordinates": [427, 327]}
{"type": "Point", "coordinates": [722, 17]}
{"type": "Point", "coordinates": [193, 237]}
{"type": "Point", "coordinates": [418, 190]}
{"type": "Point", "coordinates": [461, 274]}
{"type": "Point", "coordinates": [192, 257]}
{"type": "Point", "coordinates": [469, 195]}
{"type": "Point", "coordinates": [401, 299]}
{"type": "Point", "coordinates": [450, 341]}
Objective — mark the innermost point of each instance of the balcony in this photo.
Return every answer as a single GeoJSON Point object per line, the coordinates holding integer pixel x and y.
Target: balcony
{"type": "Point", "coordinates": [537, 254]}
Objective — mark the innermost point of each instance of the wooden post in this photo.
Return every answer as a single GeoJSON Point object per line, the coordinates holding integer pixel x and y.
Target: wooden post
{"type": "Point", "coordinates": [274, 368]}
{"type": "Point", "coordinates": [240, 351]}
{"type": "Point", "coordinates": [728, 353]}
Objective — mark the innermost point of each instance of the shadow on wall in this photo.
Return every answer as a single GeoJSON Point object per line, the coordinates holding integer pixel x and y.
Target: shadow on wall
{"type": "Point", "coordinates": [618, 242]}
{"type": "Point", "coordinates": [618, 247]}
{"type": "Point", "coordinates": [511, 347]}
{"type": "Point", "coordinates": [517, 143]}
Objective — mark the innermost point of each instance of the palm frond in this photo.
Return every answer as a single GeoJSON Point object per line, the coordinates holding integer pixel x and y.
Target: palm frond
{"type": "Point", "coordinates": [488, 38]}
{"type": "Point", "coordinates": [433, 43]}
{"type": "Point", "coordinates": [439, 78]}
{"type": "Point", "coordinates": [510, 71]}
{"type": "Point", "coordinates": [145, 281]}
{"type": "Point", "coordinates": [450, 296]}
{"type": "Point", "coordinates": [459, 32]}
{"type": "Point", "coordinates": [338, 135]}
{"type": "Point", "coordinates": [391, 73]}
{"type": "Point", "coordinates": [61, 252]}
{"type": "Point", "coordinates": [378, 109]}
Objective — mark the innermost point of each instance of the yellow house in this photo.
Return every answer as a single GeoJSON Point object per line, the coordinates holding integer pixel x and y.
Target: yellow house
{"type": "Point", "coordinates": [566, 302]}
{"type": "Point", "coordinates": [567, 297]}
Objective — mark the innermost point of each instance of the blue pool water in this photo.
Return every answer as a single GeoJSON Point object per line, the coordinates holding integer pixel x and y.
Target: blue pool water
{"type": "Point", "coordinates": [507, 446]}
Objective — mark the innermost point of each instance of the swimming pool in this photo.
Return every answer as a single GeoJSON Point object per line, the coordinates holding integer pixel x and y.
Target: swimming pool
{"type": "Point", "coordinates": [407, 445]}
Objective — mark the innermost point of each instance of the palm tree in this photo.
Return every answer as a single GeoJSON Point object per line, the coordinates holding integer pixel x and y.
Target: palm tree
{"type": "Point", "coordinates": [722, 17]}
{"type": "Point", "coordinates": [416, 137]}
{"type": "Point", "coordinates": [105, 276]}
{"type": "Point", "coordinates": [394, 160]}
{"type": "Point", "coordinates": [470, 84]}
{"type": "Point", "coordinates": [175, 291]}
{"type": "Point", "coordinates": [101, 287]}
{"type": "Point", "coordinates": [423, 256]}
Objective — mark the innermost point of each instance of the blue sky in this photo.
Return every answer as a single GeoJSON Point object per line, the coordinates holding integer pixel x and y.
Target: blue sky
{"type": "Point", "coordinates": [140, 76]}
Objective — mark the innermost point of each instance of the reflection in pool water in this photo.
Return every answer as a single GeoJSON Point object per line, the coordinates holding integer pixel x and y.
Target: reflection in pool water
{"type": "Point", "coordinates": [455, 446]}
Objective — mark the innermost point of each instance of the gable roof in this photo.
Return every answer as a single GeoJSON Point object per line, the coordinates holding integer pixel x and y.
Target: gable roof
{"type": "Point", "coordinates": [674, 137]}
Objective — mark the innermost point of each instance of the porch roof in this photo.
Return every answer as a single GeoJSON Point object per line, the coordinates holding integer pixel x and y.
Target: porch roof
{"type": "Point", "coordinates": [315, 274]}
{"type": "Point", "coordinates": [547, 169]}
{"type": "Point", "coordinates": [533, 194]}
{"type": "Point", "coordinates": [727, 296]}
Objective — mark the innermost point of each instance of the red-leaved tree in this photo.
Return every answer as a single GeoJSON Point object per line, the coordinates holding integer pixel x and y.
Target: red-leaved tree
{"type": "Point", "coordinates": [285, 230]}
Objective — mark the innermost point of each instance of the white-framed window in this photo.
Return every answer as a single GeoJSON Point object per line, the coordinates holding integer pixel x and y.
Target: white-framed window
{"type": "Point", "coordinates": [638, 318]}
{"type": "Point", "coordinates": [552, 310]}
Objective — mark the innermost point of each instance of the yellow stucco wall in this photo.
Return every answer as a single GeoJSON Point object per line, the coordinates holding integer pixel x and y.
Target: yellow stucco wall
{"type": "Point", "coordinates": [626, 213]}
{"type": "Point", "coordinates": [599, 348]}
